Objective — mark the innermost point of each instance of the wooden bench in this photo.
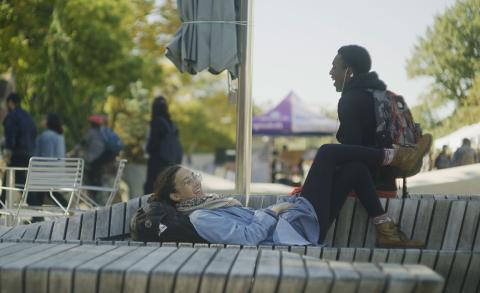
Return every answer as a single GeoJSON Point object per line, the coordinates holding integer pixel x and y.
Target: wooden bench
{"type": "Point", "coordinates": [49, 267]}
{"type": "Point", "coordinates": [448, 224]}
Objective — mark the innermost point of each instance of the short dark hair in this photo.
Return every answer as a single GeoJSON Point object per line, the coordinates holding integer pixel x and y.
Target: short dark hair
{"type": "Point", "coordinates": [357, 58]}
{"type": "Point", "coordinates": [466, 141]}
{"type": "Point", "coordinates": [54, 123]}
{"type": "Point", "coordinates": [14, 98]}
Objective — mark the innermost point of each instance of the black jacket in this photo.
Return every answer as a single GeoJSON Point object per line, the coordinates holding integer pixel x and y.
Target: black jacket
{"type": "Point", "coordinates": [356, 110]}
{"type": "Point", "coordinates": [357, 121]}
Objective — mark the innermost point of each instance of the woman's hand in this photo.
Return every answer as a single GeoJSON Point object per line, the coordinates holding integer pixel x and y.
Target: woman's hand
{"type": "Point", "coordinates": [280, 207]}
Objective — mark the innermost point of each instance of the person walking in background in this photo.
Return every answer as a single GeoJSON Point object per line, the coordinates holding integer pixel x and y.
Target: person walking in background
{"type": "Point", "coordinates": [443, 159]}
{"type": "Point", "coordinates": [464, 155]}
{"type": "Point", "coordinates": [163, 144]}
{"type": "Point", "coordinates": [20, 133]}
{"type": "Point", "coordinates": [50, 143]}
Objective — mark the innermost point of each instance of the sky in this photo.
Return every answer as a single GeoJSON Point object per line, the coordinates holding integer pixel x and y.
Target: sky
{"type": "Point", "coordinates": [295, 41]}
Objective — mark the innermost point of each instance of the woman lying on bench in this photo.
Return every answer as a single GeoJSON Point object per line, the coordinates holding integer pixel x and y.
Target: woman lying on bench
{"type": "Point", "coordinates": [298, 220]}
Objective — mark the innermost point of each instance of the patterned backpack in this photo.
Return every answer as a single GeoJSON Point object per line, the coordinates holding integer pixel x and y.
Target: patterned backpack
{"type": "Point", "coordinates": [394, 122]}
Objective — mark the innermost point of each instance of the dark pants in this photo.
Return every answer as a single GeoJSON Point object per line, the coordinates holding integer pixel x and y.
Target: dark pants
{"type": "Point", "coordinates": [337, 170]}
{"type": "Point", "coordinates": [155, 166]}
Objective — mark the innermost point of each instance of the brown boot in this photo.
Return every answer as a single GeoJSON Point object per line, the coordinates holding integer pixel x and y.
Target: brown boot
{"type": "Point", "coordinates": [407, 157]}
{"type": "Point", "coordinates": [390, 236]}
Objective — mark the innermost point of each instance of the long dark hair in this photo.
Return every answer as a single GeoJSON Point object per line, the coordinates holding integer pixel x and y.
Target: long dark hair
{"type": "Point", "coordinates": [54, 123]}
{"type": "Point", "coordinates": [160, 108]}
{"type": "Point", "coordinates": [164, 185]}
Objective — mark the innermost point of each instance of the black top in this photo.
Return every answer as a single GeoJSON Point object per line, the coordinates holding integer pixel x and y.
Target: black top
{"type": "Point", "coordinates": [356, 110]}
{"type": "Point", "coordinates": [357, 121]}
{"type": "Point", "coordinates": [20, 132]}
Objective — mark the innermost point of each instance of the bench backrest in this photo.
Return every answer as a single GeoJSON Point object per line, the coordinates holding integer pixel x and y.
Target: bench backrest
{"type": "Point", "coordinates": [443, 223]}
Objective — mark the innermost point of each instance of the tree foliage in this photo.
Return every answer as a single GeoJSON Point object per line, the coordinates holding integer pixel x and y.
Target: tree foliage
{"type": "Point", "coordinates": [450, 51]}
{"type": "Point", "coordinates": [77, 57]}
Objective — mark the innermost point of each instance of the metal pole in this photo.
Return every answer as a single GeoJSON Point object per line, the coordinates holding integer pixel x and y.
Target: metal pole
{"type": "Point", "coordinates": [10, 194]}
{"type": "Point", "coordinates": [243, 162]}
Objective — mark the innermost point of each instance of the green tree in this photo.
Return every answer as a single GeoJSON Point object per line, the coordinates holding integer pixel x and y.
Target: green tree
{"type": "Point", "coordinates": [450, 51]}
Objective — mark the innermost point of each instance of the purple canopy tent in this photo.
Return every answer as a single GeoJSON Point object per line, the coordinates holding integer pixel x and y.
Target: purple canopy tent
{"type": "Point", "coordinates": [291, 117]}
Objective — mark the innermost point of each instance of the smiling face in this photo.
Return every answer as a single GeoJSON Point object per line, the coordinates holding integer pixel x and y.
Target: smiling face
{"type": "Point", "coordinates": [187, 185]}
{"type": "Point", "coordinates": [339, 73]}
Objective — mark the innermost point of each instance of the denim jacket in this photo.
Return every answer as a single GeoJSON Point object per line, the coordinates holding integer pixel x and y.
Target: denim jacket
{"type": "Point", "coordinates": [245, 226]}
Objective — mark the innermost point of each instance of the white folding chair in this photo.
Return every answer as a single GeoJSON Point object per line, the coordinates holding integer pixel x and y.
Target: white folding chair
{"type": "Point", "coordinates": [48, 175]}
{"type": "Point", "coordinates": [112, 190]}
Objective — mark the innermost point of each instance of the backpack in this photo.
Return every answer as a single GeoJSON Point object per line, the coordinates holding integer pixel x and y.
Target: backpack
{"type": "Point", "coordinates": [394, 121]}
{"type": "Point", "coordinates": [159, 222]}
{"type": "Point", "coordinates": [113, 143]}
{"type": "Point", "coordinates": [395, 125]}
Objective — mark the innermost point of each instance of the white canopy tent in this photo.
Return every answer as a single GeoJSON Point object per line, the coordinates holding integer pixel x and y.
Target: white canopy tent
{"type": "Point", "coordinates": [454, 139]}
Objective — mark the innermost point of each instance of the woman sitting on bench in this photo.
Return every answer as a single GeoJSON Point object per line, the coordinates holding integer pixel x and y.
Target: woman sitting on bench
{"type": "Point", "coordinates": [298, 220]}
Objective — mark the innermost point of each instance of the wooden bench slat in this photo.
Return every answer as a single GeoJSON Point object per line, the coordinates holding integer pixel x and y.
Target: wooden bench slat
{"type": "Point", "coordinates": [362, 255]}
{"type": "Point", "coordinates": [267, 275]}
{"type": "Point", "coordinates": [424, 217]}
{"type": "Point", "coordinates": [320, 276]}
{"type": "Point", "coordinates": [136, 277]}
{"type": "Point", "coordinates": [45, 231]}
{"type": "Point", "coordinates": [409, 213]}
{"type": "Point", "coordinates": [12, 274]}
{"type": "Point", "coordinates": [189, 275]}
{"type": "Point", "coordinates": [412, 256]}
{"type": "Point", "coordinates": [86, 276]}
{"type": "Point", "coordinates": [111, 276]}
{"type": "Point", "coordinates": [427, 280]}
{"type": "Point", "coordinates": [379, 255]}
{"type": "Point", "coordinates": [359, 226]}
{"type": "Point", "coordinates": [472, 281]}
{"type": "Point", "coordinates": [428, 258]}
{"type": "Point", "coordinates": [55, 273]}
{"type": "Point", "coordinates": [294, 275]}
{"type": "Point", "coordinates": [372, 278]}
{"type": "Point", "coordinates": [454, 226]}
{"type": "Point", "coordinates": [395, 256]}
{"type": "Point", "coordinates": [102, 223]}
{"type": "Point", "coordinates": [14, 251]}
{"type": "Point", "coordinates": [470, 224]}
{"type": "Point", "coordinates": [87, 232]}
{"type": "Point", "coordinates": [15, 233]}
{"type": "Point", "coordinates": [329, 253]}
{"type": "Point", "coordinates": [346, 254]}
{"type": "Point", "coordinates": [74, 226]}
{"type": "Point", "coordinates": [132, 207]}
{"type": "Point", "coordinates": [59, 229]}
{"type": "Point", "coordinates": [314, 251]}
{"type": "Point", "coordinates": [216, 274]}
{"type": "Point", "coordinates": [117, 221]}
{"type": "Point", "coordinates": [31, 231]}
{"type": "Point", "coordinates": [458, 271]}
{"type": "Point", "coordinates": [4, 230]}
{"type": "Point", "coordinates": [439, 220]}
{"type": "Point", "coordinates": [162, 278]}
{"type": "Point", "coordinates": [347, 278]}
{"type": "Point", "coordinates": [343, 224]}
{"type": "Point", "coordinates": [444, 263]}
{"type": "Point", "coordinates": [242, 271]}
{"type": "Point", "coordinates": [400, 280]}
{"type": "Point", "coordinates": [330, 234]}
